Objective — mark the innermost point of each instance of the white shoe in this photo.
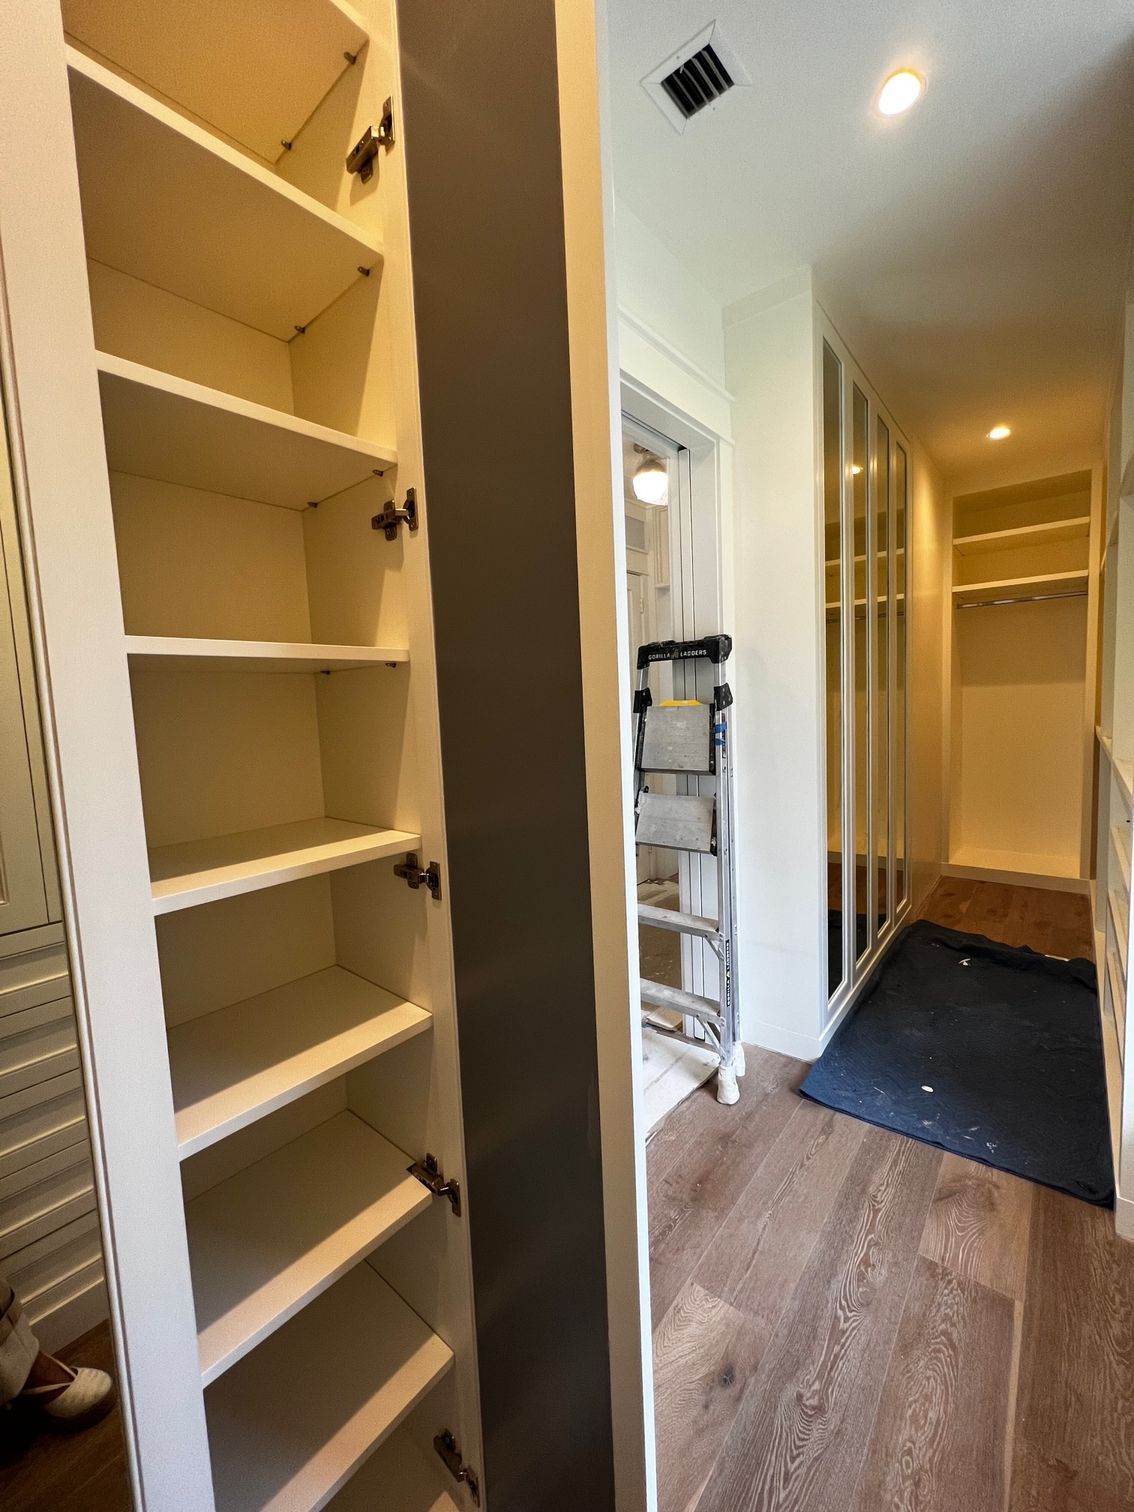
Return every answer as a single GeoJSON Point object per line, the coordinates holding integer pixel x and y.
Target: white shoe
{"type": "Point", "coordinates": [86, 1400]}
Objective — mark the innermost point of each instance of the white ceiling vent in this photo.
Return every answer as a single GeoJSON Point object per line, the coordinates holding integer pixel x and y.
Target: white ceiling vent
{"type": "Point", "coordinates": [692, 82]}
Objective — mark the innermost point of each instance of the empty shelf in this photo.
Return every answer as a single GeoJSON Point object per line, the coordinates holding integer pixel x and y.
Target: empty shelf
{"type": "Point", "coordinates": [171, 205]}
{"type": "Point", "coordinates": [236, 66]}
{"type": "Point", "coordinates": [273, 1237]}
{"type": "Point", "coordinates": [293, 1420]}
{"type": "Point", "coordinates": [1008, 589]}
{"type": "Point", "coordinates": [173, 652]}
{"type": "Point", "coordinates": [1118, 908]}
{"type": "Point", "coordinates": [1117, 996]}
{"type": "Point", "coordinates": [235, 1065]}
{"type": "Point", "coordinates": [201, 871]}
{"type": "Point", "coordinates": [1121, 837]}
{"type": "Point", "coordinates": [401, 1475]}
{"type": "Point", "coordinates": [1024, 535]}
{"type": "Point", "coordinates": [163, 427]}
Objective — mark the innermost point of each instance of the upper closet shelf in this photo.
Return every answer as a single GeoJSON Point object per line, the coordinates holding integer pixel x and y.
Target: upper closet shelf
{"type": "Point", "coordinates": [249, 68]}
{"type": "Point", "coordinates": [1007, 589]}
{"type": "Point", "coordinates": [173, 653]}
{"type": "Point", "coordinates": [171, 205]}
{"type": "Point", "coordinates": [163, 427]}
{"type": "Point", "coordinates": [1024, 535]}
{"type": "Point", "coordinates": [293, 1420]}
{"type": "Point", "coordinates": [201, 871]}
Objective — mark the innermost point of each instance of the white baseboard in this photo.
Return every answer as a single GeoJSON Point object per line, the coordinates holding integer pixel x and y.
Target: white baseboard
{"type": "Point", "coordinates": [765, 1036]}
{"type": "Point", "coordinates": [1016, 878]}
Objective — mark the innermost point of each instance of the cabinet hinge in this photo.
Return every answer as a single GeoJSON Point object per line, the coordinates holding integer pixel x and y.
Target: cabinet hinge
{"type": "Point", "coordinates": [361, 157]}
{"type": "Point", "coordinates": [391, 516]}
{"type": "Point", "coordinates": [446, 1446]}
{"type": "Point", "coordinates": [430, 1174]}
{"type": "Point", "coordinates": [415, 876]}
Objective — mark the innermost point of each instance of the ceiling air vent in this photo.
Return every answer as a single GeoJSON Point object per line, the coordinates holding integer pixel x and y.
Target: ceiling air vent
{"type": "Point", "coordinates": [692, 82]}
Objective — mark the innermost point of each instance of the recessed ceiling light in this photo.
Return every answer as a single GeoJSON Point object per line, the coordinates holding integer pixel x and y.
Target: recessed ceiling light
{"type": "Point", "coordinates": [900, 91]}
{"type": "Point", "coordinates": [1000, 433]}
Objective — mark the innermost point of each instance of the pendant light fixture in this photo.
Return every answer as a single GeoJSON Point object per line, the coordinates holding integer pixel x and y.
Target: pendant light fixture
{"type": "Point", "coordinates": [651, 478]}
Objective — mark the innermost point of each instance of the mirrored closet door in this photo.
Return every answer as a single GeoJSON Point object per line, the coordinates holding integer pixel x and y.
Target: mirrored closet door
{"type": "Point", "coordinates": [865, 509]}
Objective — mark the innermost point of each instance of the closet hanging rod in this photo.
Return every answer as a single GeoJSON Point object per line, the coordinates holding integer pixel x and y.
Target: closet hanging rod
{"type": "Point", "coordinates": [1029, 598]}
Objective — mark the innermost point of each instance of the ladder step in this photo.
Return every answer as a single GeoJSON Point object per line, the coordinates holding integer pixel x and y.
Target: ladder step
{"type": "Point", "coordinates": [661, 996]}
{"type": "Point", "coordinates": [680, 923]}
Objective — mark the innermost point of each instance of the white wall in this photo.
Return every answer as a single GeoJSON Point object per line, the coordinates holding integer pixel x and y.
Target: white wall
{"type": "Point", "coordinates": [930, 609]}
{"type": "Point", "coordinates": [659, 293]}
{"type": "Point", "coordinates": [776, 567]}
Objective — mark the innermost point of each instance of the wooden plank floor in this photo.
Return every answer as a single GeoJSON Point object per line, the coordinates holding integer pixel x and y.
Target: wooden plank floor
{"type": "Point", "coordinates": [848, 1321]}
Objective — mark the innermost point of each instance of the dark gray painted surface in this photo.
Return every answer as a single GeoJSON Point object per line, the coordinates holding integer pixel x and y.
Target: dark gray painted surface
{"type": "Point", "coordinates": [482, 157]}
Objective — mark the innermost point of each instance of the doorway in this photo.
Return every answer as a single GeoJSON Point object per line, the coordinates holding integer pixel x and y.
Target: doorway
{"type": "Point", "coordinates": [672, 571]}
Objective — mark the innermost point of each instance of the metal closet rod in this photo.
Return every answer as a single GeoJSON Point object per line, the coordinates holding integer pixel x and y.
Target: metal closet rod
{"type": "Point", "coordinates": [1030, 598]}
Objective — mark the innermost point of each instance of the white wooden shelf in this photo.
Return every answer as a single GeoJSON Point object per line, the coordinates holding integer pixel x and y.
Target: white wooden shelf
{"type": "Point", "coordinates": [1117, 997]}
{"type": "Point", "coordinates": [173, 653]}
{"type": "Point", "coordinates": [400, 1476]}
{"type": "Point", "coordinates": [275, 1236]}
{"type": "Point", "coordinates": [1123, 847]}
{"type": "Point", "coordinates": [235, 65]}
{"type": "Point", "coordinates": [292, 1421]}
{"type": "Point", "coordinates": [834, 606]}
{"type": "Point", "coordinates": [1123, 770]}
{"type": "Point", "coordinates": [171, 205]}
{"type": "Point", "coordinates": [1021, 588]}
{"type": "Point", "coordinates": [1121, 929]}
{"type": "Point", "coordinates": [164, 427]}
{"type": "Point", "coordinates": [1077, 529]}
{"type": "Point", "coordinates": [235, 1065]}
{"type": "Point", "coordinates": [202, 871]}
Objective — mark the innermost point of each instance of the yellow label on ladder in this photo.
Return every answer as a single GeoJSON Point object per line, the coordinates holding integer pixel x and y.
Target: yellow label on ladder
{"type": "Point", "coordinates": [678, 703]}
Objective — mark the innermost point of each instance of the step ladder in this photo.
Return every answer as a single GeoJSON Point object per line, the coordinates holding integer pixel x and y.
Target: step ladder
{"type": "Point", "coordinates": [688, 738]}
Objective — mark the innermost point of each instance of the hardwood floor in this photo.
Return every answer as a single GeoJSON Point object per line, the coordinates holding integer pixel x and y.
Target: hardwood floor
{"type": "Point", "coordinates": [81, 1472]}
{"type": "Point", "coordinates": [848, 1321]}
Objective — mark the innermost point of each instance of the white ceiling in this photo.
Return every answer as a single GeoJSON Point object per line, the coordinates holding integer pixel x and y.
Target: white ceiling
{"type": "Point", "coordinates": [977, 245]}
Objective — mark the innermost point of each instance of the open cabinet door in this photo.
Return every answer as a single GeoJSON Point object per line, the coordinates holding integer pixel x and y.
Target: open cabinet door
{"type": "Point", "coordinates": [511, 241]}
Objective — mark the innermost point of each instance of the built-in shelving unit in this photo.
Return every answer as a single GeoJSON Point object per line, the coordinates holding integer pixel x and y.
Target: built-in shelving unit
{"type": "Point", "coordinates": [277, 1234]}
{"type": "Point", "coordinates": [193, 653]}
{"type": "Point", "coordinates": [1005, 590]}
{"type": "Point", "coordinates": [1022, 672]}
{"type": "Point", "coordinates": [151, 180]}
{"type": "Point", "coordinates": [233, 67]}
{"type": "Point", "coordinates": [223, 866]}
{"type": "Point", "coordinates": [256, 369]}
{"type": "Point", "coordinates": [169, 429]}
{"type": "Point", "coordinates": [1114, 781]}
{"type": "Point", "coordinates": [240, 1063]}
{"type": "Point", "coordinates": [1048, 533]}
{"type": "Point", "coordinates": [364, 1359]}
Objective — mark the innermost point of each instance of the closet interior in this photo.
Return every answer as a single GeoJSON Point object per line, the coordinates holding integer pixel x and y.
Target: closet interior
{"type": "Point", "coordinates": [251, 309]}
{"type": "Point", "coordinates": [1022, 684]}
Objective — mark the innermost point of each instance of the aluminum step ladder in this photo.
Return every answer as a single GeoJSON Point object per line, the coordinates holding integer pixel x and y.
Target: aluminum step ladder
{"type": "Point", "coordinates": [688, 738]}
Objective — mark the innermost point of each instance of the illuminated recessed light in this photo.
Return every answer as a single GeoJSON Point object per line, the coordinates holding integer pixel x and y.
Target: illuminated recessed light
{"type": "Point", "coordinates": [856, 468]}
{"type": "Point", "coordinates": [900, 91]}
{"type": "Point", "coordinates": [999, 432]}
